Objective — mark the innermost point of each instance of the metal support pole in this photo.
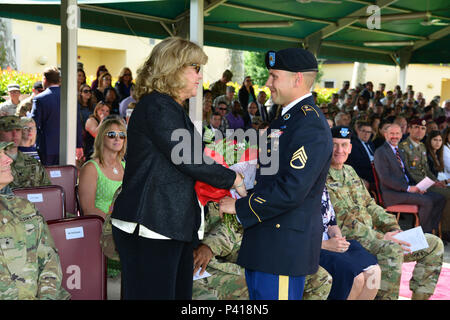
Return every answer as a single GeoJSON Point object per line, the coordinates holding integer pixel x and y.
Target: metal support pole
{"type": "Point", "coordinates": [196, 35]}
{"type": "Point", "coordinates": [68, 121]}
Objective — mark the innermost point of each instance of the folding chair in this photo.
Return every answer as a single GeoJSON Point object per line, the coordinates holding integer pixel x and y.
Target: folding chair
{"type": "Point", "coordinates": [49, 200]}
{"type": "Point", "coordinates": [82, 261]}
{"type": "Point", "coordinates": [398, 208]}
{"type": "Point", "coordinates": [66, 176]}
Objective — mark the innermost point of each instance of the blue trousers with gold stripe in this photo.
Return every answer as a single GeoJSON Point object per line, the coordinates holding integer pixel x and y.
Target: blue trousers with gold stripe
{"type": "Point", "coordinates": [266, 286]}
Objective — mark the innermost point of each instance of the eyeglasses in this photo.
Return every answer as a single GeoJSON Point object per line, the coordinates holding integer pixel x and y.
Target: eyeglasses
{"type": "Point", "coordinates": [127, 74]}
{"type": "Point", "coordinates": [87, 91]}
{"type": "Point", "coordinates": [222, 108]}
{"type": "Point", "coordinates": [114, 134]}
{"type": "Point", "coordinates": [196, 67]}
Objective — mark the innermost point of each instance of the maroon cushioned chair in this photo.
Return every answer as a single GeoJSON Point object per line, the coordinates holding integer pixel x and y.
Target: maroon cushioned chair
{"type": "Point", "coordinates": [66, 176]}
{"type": "Point", "coordinates": [398, 208]}
{"type": "Point", "coordinates": [82, 261]}
{"type": "Point", "coordinates": [49, 200]}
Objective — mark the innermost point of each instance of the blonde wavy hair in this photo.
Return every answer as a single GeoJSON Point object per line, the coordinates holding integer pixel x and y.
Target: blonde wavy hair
{"type": "Point", "coordinates": [99, 144]}
{"type": "Point", "coordinates": [162, 71]}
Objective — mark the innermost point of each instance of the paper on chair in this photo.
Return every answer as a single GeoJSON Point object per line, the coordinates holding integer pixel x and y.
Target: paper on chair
{"type": "Point", "coordinates": [204, 275]}
{"type": "Point", "coordinates": [414, 237]}
{"type": "Point", "coordinates": [425, 183]}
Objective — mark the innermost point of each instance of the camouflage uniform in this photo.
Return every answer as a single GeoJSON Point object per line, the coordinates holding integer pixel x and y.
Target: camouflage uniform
{"type": "Point", "coordinates": [28, 172]}
{"type": "Point", "coordinates": [415, 158]}
{"type": "Point", "coordinates": [360, 218]}
{"type": "Point", "coordinates": [29, 261]}
{"type": "Point", "coordinates": [227, 280]}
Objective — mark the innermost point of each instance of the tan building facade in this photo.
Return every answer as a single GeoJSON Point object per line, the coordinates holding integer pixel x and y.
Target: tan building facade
{"type": "Point", "coordinates": [38, 46]}
{"type": "Point", "coordinates": [424, 78]}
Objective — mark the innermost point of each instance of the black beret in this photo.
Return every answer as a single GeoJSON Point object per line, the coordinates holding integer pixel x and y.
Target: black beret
{"type": "Point", "coordinates": [417, 121]}
{"type": "Point", "coordinates": [341, 132]}
{"type": "Point", "coordinates": [291, 59]}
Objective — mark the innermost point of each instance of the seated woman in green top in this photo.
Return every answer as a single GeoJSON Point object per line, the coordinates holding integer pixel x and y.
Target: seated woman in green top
{"type": "Point", "coordinates": [102, 175]}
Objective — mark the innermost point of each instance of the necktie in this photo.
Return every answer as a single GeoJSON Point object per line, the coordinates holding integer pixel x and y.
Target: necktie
{"type": "Point", "coordinates": [369, 148]}
{"type": "Point", "coordinates": [397, 155]}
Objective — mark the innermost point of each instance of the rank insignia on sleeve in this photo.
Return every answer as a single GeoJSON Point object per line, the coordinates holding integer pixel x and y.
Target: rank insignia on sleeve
{"type": "Point", "coordinates": [307, 108]}
{"type": "Point", "coordinates": [301, 156]}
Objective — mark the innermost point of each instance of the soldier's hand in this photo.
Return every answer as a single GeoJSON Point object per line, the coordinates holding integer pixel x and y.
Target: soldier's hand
{"type": "Point", "coordinates": [390, 236]}
{"type": "Point", "coordinates": [202, 256]}
{"type": "Point", "coordinates": [440, 184]}
{"type": "Point", "coordinates": [227, 205]}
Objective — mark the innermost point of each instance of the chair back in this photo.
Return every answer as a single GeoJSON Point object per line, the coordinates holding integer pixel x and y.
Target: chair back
{"type": "Point", "coordinates": [49, 200]}
{"type": "Point", "coordinates": [66, 176]}
{"type": "Point", "coordinates": [82, 260]}
{"type": "Point", "coordinates": [377, 186]}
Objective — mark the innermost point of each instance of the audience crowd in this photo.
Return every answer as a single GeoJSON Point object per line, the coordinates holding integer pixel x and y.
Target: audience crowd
{"type": "Point", "coordinates": [395, 139]}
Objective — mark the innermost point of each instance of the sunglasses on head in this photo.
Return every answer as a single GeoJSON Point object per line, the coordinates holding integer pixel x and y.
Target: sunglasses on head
{"type": "Point", "coordinates": [196, 67]}
{"type": "Point", "coordinates": [114, 134]}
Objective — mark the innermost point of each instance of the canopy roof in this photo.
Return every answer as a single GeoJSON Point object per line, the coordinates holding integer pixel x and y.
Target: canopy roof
{"type": "Point", "coordinates": [414, 31]}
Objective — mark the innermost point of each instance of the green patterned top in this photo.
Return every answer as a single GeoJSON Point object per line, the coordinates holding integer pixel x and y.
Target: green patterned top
{"type": "Point", "coordinates": [105, 189]}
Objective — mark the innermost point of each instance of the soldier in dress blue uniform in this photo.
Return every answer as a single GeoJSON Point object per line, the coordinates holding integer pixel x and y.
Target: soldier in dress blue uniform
{"type": "Point", "coordinates": [282, 216]}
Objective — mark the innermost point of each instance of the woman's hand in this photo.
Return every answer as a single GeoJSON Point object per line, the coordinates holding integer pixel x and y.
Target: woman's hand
{"type": "Point", "coordinates": [202, 255]}
{"type": "Point", "coordinates": [336, 244]}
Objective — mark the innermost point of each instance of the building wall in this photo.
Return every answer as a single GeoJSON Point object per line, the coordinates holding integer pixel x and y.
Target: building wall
{"type": "Point", "coordinates": [424, 78]}
{"type": "Point", "coordinates": [38, 40]}
{"type": "Point", "coordinates": [35, 40]}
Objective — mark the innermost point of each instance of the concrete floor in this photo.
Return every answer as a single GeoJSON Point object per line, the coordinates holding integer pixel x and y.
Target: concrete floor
{"type": "Point", "coordinates": [113, 284]}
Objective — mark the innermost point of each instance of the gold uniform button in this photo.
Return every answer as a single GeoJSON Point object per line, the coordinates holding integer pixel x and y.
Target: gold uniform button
{"type": "Point", "coordinates": [254, 183]}
{"type": "Point", "coordinates": [277, 226]}
{"type": "Point", "coordinates": [268, 150]}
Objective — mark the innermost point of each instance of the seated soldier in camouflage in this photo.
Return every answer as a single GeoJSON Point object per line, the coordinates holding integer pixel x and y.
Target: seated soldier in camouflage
{"type": "Point", "coordinates": [26, 170]}
{"type": "Point", "coordinates": [29, 262]}
{"type": "Point", "coordinates": [360, 218]}
{"type": "Point", "coordinates": [217, 255]}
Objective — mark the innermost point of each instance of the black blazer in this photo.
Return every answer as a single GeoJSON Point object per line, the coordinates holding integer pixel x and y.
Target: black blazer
{"type": "Point", "coordinates": [282, 217]}
{"type": "Point", "coordinates": [244, 96]}
{"type": "Point", "coordinates": [392, 178]}
{"type": "Point", "coordinates": [157, 192]}
{"type": "Point", "coordinates": [360, 161]}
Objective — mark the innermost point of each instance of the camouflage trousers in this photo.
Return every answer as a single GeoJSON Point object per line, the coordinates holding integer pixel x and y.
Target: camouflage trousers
{"type": "Point", "coordinates": [390, 259]}
{"type": "Point", "coordinates": [220, 286]}
{"type": "Point", "coordinates": [226, 286]}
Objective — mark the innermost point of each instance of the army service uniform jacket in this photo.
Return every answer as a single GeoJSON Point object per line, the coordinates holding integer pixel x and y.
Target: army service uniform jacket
{"type": "Point", "coordinates": [29, 262]}
{"type": "Point", "coordinates": [282, 218]}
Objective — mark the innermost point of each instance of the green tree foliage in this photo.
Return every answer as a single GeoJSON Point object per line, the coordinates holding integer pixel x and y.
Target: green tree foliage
{"type": "Point", "coordinates": [255, 67]}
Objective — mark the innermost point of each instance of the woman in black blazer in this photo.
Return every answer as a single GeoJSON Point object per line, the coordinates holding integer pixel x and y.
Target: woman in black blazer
{"type": "Point", "coordinates": [156, 216]}
{"type": "Point", "coordinates": [246, 93]}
